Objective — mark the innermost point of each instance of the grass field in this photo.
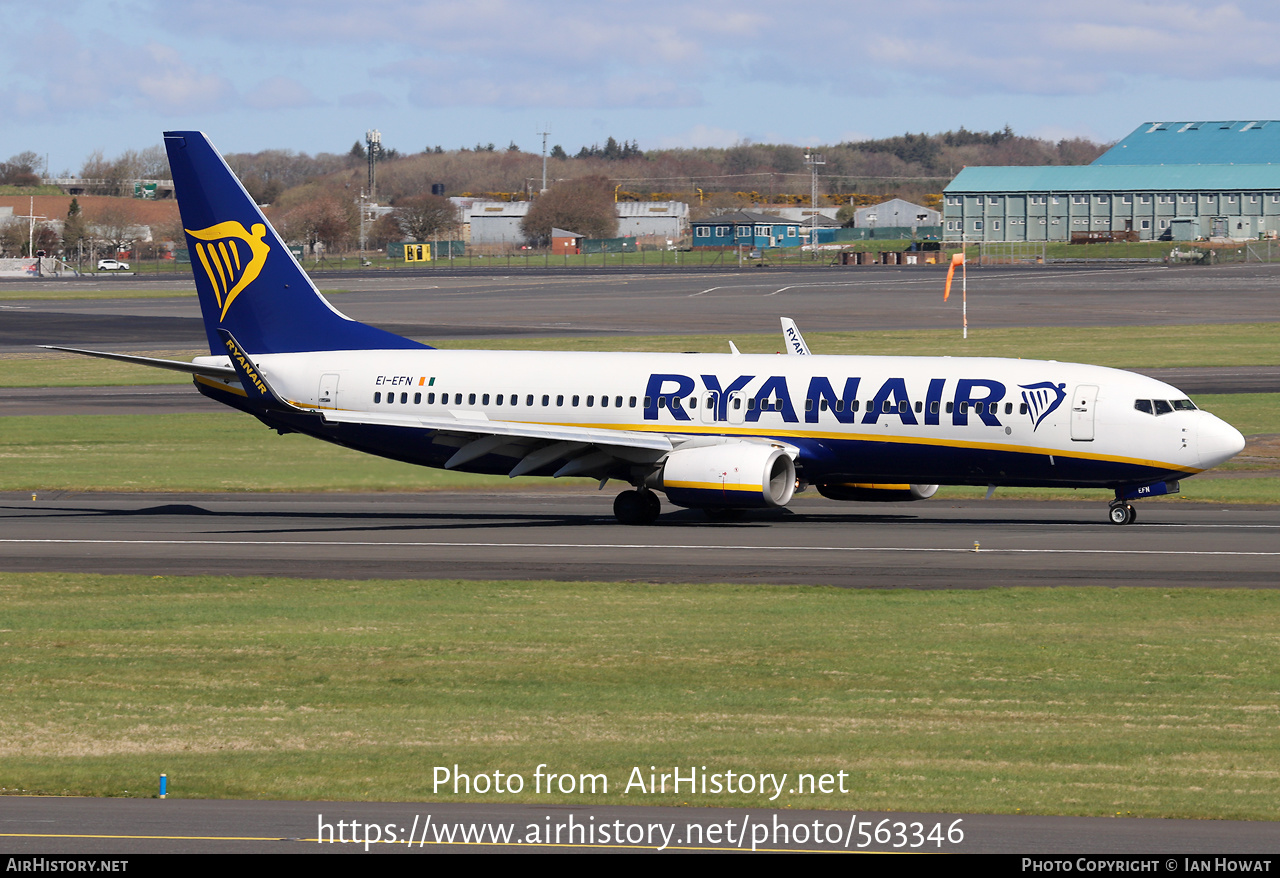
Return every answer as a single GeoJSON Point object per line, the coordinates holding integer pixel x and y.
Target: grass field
{"type": "Point", "coordinates": [1228, 344]}
{"type": "Point", "coordinates": [229, 451]}
{"type": "Point", "coordinates": [1073, 701]}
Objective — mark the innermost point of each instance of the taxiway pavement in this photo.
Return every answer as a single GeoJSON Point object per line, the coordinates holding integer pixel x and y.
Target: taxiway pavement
{"type": "Point", "coordinates": [570, 535]}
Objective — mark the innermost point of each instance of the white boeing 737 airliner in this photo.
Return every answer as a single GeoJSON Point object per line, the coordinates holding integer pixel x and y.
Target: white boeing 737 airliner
{"type": "Point", "coordinates": [711, 431]}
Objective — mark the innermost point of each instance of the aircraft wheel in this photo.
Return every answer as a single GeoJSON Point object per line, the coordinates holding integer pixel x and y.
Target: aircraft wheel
{"type": "Point", "coordinates": [1122, 513]}
{"type": "Point", "coordinates": [636, 507]}
{"type": "Point", "coordinates": [653, 503]}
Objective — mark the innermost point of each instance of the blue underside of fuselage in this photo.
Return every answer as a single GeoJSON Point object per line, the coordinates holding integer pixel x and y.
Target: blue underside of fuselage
{"type": "Point", "coordinates": [824, 460]}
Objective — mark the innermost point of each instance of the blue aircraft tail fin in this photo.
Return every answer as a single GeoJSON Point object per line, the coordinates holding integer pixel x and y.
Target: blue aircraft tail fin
{"type": "Point", "coordinates": [248, 282]}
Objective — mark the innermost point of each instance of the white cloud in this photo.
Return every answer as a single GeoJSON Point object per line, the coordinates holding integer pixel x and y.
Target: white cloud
{"type": "Point", "coordinates": [699, 136]}
{"type": "Point", "coordinates": [101, 74]}
{"type": "Point", "coordinates": [280, 93]}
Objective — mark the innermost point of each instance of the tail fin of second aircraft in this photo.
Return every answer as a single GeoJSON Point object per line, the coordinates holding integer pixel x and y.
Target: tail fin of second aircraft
{"type": "Point", "coordinates": [248, 282]}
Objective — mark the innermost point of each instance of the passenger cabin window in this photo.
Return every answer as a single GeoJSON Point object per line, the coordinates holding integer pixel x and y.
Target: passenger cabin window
{"type": "Point", "coordinates": [377, 397]}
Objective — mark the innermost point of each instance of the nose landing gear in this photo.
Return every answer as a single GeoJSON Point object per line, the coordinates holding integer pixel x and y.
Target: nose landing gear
{"type": "Point", "coordinates": [1122, 513]}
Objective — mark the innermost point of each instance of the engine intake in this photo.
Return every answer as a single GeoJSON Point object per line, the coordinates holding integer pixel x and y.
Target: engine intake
{"type": "Point", "coordinates": [738, 475]}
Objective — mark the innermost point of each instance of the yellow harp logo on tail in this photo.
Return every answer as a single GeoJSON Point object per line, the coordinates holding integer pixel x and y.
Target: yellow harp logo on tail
{"type": "Point", "coordinates": [232, 257]}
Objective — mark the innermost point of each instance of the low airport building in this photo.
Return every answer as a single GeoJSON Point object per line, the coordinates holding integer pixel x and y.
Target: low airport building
{"type": "Point", "coordinates": [498, 222]}
{"type": "Point", "coordinates": [746, 228]}
{"type": "Point", "coordinates": [1178, 181]}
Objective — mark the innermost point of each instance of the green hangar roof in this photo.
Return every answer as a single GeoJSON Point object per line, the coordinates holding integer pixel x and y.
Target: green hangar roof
{"type": "Point", "coordinates": [1118, 178]}
{"type": "Point", "coordinates": [1197, 143]}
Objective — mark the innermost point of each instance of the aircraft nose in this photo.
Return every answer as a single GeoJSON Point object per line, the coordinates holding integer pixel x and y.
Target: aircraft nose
{"type": "Point", "coordinates": [1217, 441]}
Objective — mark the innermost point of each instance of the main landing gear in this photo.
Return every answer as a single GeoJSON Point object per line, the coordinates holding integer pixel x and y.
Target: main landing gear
{"type": "Point", "coordinates": [1122, 513]}
{"type": "Point", "coordinates": [640, 506]}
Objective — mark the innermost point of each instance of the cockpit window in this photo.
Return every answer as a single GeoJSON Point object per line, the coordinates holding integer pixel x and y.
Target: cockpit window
{"type": "Point", "coordinates": [1162, 406]}
{"type": "Point", "coordinates": [1183, 405]}
{"type": "Point", "coordinates": [1143, 405]}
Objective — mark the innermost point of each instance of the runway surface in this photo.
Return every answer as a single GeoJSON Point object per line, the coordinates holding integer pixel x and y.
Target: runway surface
{"type": "Point", "coordinates": [571, 536]}
{"type": "Point", "coordinates": [122, 826]}
{"type": "Point", "coordinates": [441, 307]}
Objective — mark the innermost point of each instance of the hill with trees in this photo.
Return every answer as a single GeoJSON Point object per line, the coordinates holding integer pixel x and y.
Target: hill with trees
{"type": "Point", "coordinates": [314, 198]}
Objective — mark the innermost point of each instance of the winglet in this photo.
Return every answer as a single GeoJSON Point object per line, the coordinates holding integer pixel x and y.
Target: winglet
{"type": "Point", "coordinates": [795, 341]}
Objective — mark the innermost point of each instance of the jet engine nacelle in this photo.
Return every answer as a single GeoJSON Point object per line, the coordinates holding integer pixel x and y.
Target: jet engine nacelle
{"type": "Point", "coordinates": [738, 475]}
{"type": "Point", "coordinates": [868, 493]}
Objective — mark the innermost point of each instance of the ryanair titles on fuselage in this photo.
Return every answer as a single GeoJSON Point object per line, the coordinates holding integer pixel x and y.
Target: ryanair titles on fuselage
{"type": "Point", "coordinates": [980, 397]}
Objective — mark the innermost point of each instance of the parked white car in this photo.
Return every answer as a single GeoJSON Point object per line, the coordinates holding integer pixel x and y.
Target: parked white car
{"type": "Point", "coordinates": [112, 265]}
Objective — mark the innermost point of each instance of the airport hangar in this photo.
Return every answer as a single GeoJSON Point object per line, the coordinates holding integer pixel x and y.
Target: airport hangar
{"type": "Point", "coordinates": [1177, 181]}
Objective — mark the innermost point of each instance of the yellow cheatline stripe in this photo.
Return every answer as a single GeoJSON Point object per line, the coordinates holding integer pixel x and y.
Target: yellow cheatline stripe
{"type": "Point", "coordinates": [743, 432]}
{"type": "Point", "coordinates": [695, 429]}
{"type": "Point", "coordinates": [218, 385]}
{"type": "Point", "coordinates": [714, 486]}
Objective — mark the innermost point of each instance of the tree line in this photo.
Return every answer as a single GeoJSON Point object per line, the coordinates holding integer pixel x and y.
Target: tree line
{"type": "Point", "coordinates": [316, 198]}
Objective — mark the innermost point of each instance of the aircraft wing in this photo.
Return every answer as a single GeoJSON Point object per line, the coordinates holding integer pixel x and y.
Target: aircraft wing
{"type": "Point", "coordinates": [584, 450]}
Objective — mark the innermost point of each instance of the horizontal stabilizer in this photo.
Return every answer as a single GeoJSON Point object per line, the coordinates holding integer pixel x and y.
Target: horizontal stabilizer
{"type": "Point", "coordinates": [213, 371]}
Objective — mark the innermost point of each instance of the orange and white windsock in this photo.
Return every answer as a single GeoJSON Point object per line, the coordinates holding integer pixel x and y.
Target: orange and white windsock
{"type": "Point", "coordinates": [957, 259]}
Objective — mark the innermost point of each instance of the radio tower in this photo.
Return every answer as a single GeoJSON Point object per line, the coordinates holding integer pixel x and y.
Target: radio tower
{"type": "Point", "coordinates": [373, 146]}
